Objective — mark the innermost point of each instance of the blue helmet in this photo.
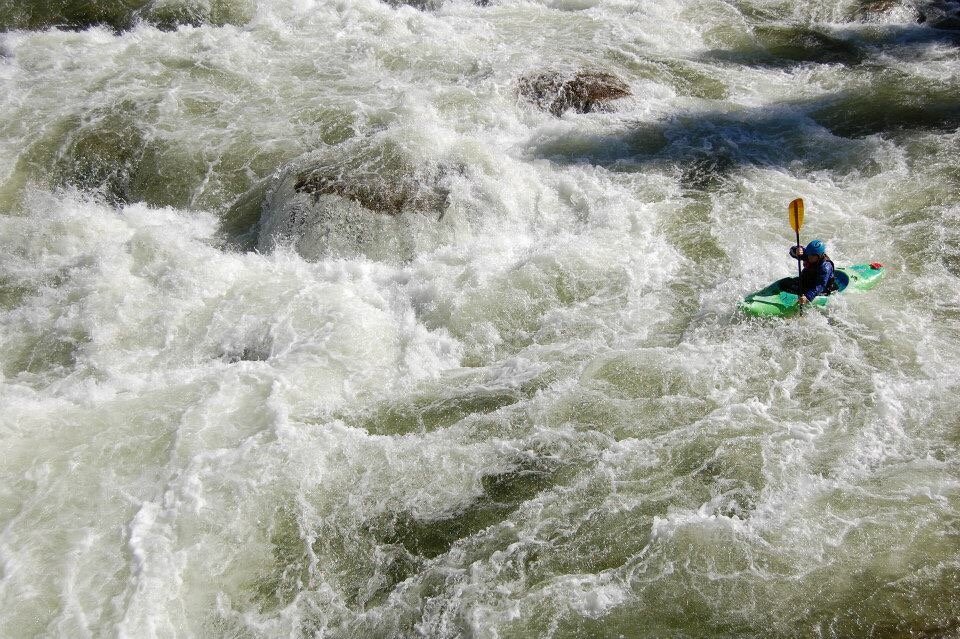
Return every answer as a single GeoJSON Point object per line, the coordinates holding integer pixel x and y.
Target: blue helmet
{"type": "Point", "coordinates": [816, 247]}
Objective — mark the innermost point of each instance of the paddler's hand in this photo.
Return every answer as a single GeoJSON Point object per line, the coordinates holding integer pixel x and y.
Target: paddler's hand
{"type": "Point", "coordinates": [796, 252]}
{"type": "Point", "coordinates": [803, 299]}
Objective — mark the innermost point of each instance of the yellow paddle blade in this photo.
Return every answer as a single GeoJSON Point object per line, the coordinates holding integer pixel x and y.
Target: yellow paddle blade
{"type": "Point", "coordinates": [796, 214]}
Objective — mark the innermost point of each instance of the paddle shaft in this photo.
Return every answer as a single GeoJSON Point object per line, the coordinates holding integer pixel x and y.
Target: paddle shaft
{"type": "Point", "coordinates": [799, 262]}
{"type": "Point", "coordinates": [796, 221]}
{"type": "Point", "coordinates": [799, 276]}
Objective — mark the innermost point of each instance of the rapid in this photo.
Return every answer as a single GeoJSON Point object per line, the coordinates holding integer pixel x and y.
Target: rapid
{"type": "Point", "coordinates": [526, 405]}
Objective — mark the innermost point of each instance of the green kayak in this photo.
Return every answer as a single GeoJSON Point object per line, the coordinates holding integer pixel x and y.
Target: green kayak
{"type": "Point", "coordinates": [774, 301]}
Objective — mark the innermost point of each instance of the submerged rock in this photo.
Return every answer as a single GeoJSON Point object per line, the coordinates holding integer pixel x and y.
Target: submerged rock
{"type": "Point", "coordinates": [877, 6]}
{"type": "Point", "coordinates": [120, 15]}
{"type": "Point", "coordinates": [428, 5]}
{"type": "Point", "coordinates": [800, 44]}
{"type": "Point", "coordinates": [240, 225]}
{"type": "Point", "coordinates": [174, 13]}
{"type": "Point", "coordinates": [788, 45]}
{"type": "Point", "coordinates": [388, 193]}
{"type": "Point", "coordinates": [502, 494]}
{"type": "Point", "coordinates": [116, 155]}
{"type": "Point", "coordinates": [584, 91]}
{"type": "Point", "coordinates": [894, 102]}
{"type": "Point", "coordinates": [422, 5]}
{"type": "Point", "coordinates": [67, 14]}
{"type": "Point", "coordinates": [941, 14]}
{"type": "Point", "coordinates": [365, 198]}
{"type": "Point", "coordinates": [706, 172]}
{"type": "Point", "coordinates": [104, 156]}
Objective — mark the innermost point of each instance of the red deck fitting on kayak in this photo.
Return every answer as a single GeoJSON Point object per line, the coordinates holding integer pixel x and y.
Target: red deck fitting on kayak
{"type": "Point", "coordinates": [876, 265]}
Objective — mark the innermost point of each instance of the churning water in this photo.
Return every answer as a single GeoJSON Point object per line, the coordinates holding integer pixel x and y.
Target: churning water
{"type": "Point", "coordinates": [517, 402]}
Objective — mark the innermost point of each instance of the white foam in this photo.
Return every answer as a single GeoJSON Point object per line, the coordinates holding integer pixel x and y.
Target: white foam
{"type": "Point", "coordinates": [549, 386]}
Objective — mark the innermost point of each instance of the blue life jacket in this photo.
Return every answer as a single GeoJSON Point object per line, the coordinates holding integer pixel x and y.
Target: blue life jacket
{"type": "Point", "coordinates": [818, 280]}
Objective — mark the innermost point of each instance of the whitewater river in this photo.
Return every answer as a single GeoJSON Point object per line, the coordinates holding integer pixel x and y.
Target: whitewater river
{"type": "Point", "coordinates": [236, 402]}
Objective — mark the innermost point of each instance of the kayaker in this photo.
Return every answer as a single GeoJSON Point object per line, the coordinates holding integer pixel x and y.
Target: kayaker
{"type": "Point", "coordinates": [817, 276]}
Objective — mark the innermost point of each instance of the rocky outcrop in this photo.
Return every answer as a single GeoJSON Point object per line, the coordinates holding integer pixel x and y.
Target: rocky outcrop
{"type": "Point", "coordinates": [583, 91]}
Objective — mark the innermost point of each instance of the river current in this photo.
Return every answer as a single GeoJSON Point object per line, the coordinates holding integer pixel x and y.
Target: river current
{"type": "Point", "coordinates": [235, 401]}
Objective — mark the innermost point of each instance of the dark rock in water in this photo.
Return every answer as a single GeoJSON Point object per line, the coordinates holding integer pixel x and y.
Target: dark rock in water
{"type": "Point", "coordinates": [378, 193]}
{"type": "Point", "coordinates": [429, 5]}
{"type": "Point", "coordinates": [371, 197]}
{"type": "Point", "coordinates": [788, 45]}
{"type": "Point", "coordinates": [115, 154]}
{"type": "Point", "coordinates": [381, 191]}
{"type": "Point", "coordinates": [240, 225]}
{"type": "Point", "coordinates": [103, 156]}
{"type": "Point", "coordinates": [895, 102]}
{"type": "Point", "coordinates": [706, 172]}
{"type": "Point", "coordinates": [111, 153]}
{"type": "Point", "coordinates": [118, 15]}
{"type": "Point", "coordinates": [807, 45]}
{"type": "Point", "coordinates": [169, 17]}
{"type": "Point", "coordinates": [583, 91]}
{"type": "Point", "coordinates": [503, 493]}
{"type": "Point", "coordinates": [422, 5]}
{"type": "Point", "coordinates": [67, 14]}
{"type": "Point", "coordinates": [941, 14]}
{"type": "Point", "coordinates": [877, 6]}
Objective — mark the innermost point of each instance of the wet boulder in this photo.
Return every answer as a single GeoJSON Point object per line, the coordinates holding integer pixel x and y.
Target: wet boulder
{"type": "Point", "coordinates": [390, 193]}
{"type": "Point", "coordinates": [428, 5]}
{"type": "Point", "coordinates": [422, 5]}
{"type": "Point", "coordinates": [583, 91]}
{"type": "Point", "coordinates": [369, 198]}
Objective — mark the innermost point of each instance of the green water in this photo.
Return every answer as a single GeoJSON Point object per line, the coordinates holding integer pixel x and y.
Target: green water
{"type": "Point", "coordinates": [517, 399]}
